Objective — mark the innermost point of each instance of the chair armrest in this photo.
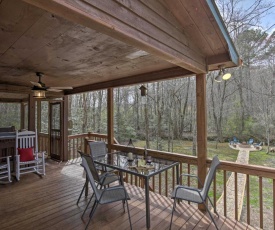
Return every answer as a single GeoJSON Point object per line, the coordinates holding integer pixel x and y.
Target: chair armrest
{"type": "Point", "coordinates": [187, 188]}
{"type": "Point", "coordinates": [114, 188]}
{"type": "Point", "coordinates": [190, 175]}
{"type": "Point", "coordinates": [5, 157]}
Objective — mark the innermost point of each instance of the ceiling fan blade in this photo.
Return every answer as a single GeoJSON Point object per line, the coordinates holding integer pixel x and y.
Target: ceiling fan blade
{"type": "Point", "coordinates": [54, 90]}
{"type": "Point", "coordinates": [61, 87]}
{"type": "Point", "coordinates": [37, 84]}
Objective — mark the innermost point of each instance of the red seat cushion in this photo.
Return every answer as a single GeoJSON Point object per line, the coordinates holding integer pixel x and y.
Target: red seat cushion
{"type": "Point", "coordinates": [26, 154]}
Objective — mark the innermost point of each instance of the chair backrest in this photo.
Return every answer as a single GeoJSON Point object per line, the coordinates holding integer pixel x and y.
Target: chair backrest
{"type": "Point", "coordinates": [26, 139]}
{"type": "Point", "coordinates": [210, 176]}
{"type": "Point", "coordinates": [91, 165]}
{"type": "Point", "coordinates": [86, 166]}
{"type": "Point", "coordinates": [98, 148]}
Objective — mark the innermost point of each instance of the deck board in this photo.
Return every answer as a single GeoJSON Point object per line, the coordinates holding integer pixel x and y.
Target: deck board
{"type": "Point", "coordinates": [50, 203]}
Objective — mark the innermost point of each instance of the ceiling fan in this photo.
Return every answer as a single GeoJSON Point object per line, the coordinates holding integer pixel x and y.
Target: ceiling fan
{"type": "Point", "coordinates": [41, 86]}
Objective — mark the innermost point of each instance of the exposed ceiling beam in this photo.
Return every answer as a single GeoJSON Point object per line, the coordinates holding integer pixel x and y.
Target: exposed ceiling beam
{"type": "Point", "coordinates": [6, 88]}
{"type": "Point", "coordinates": [11, 100]}
{"type": "Point", "coordinates": [124, 21]}
{"type": "Point", "coordinates": [131, 80]}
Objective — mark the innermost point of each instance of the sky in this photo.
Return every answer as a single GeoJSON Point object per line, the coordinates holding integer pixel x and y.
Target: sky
{"type": "Point", "coordinates": [267, 21]}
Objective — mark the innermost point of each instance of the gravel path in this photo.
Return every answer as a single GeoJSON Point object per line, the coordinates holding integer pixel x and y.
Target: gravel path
{"type": "Point", "coordinates": [243, 158]}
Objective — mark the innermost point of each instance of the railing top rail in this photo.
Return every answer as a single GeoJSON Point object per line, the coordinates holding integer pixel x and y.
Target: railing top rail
{"type": "Point", "coordinates": [253, 170]}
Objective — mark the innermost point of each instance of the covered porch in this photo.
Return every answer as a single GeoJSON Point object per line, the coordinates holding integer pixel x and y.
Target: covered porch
{"type": "Point", "coordinates": [50, 203]}
{"type": "Point", "coordinates": [95, 45]}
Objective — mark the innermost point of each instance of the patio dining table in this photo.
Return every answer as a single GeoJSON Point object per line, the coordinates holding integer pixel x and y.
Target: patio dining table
{"type": "Point", "coordinates": [120, 162]}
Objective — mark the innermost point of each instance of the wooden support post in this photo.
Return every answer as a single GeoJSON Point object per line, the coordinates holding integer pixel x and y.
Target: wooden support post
{"type": "Point", "coordinates": [65, 120]}
{"type": "Point", "coordinates": [38, 116]}
{"type": "Point", "coordinates": [110, 105]}
{"type": "Point", "coordinates": [22, 115]}
{"type": "Point", "coordinates": [201, 128]}
{"type": "Point", "coordinates": [31, 113]}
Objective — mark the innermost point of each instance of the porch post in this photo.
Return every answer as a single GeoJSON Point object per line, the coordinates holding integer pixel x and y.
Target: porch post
{"type": "Point", "coordinates": [22, 115]}
{"type": "Point", "coordinates": [64, 126]}
{"type": "Point", "coordinates": [31, 114]}
{"type": "Point", "coordinates": [39, 116]}
{"type": "Point", "coordinates": [110, 126]}
{"type": "Point", "coordinates": [201, 127]}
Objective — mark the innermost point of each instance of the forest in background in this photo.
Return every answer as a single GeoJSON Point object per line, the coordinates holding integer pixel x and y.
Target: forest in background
{"type": "Point", "coordinates": [242, 106]}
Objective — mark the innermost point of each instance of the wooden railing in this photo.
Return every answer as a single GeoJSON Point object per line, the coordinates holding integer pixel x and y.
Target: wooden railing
{"type": "Point", "coordinates": [260, 214]}
{"type": "Point", "coordinates": [77, 142]}
{"type": "Point", "coordinates": [259, 210]}
{"type": "Point", "coordinates": [43, 142]}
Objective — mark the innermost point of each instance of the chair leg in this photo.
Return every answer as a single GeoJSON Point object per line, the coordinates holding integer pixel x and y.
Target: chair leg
{"type": "Point", "coordinates": [85, 184]}
{"type": "Point", "coordinates": [173, 209]}
{"type": "Point", "coordinates": [211, 216]}
{"type": "Point", "coordinates": [128, 214]}
{"type": "Point", "coordinates": [87, 205]}
{"type": "Point", "coordinates": [92, 213]}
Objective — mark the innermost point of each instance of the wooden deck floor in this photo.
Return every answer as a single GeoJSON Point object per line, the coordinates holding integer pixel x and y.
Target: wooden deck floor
{"type": "Point", "coordinates": [50, 203]}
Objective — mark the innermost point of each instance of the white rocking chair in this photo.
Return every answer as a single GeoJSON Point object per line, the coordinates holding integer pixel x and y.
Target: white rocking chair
{"type": "Point", "coordinates": [5, 171]}
{"type": "Point", "coordinates": [28, 159]}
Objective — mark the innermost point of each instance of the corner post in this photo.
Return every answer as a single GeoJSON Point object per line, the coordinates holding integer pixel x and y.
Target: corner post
{"type": "Point", "coordinates": [110, 105]}
{"type": "Point", "coordinates": [201, 127]}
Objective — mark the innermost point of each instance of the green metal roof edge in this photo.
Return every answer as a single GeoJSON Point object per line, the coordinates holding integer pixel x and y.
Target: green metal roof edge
{"type": "Point", "coordinates": [216, 13]}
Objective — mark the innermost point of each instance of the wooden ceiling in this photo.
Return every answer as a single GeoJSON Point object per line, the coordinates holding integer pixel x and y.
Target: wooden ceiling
{"type": "Point", "coordinates": [92, 45]}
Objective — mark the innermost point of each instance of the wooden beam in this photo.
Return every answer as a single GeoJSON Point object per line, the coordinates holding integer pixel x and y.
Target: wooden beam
{"type": "Point", "coordinates": [110, 119]}
{"type": "Point", "coordinates": [201, 128]}
{"type": "Point", "coordinates": [136, 79]}
{"type": "Point", "coordinates": [128, 23]}
{"type": "Point", "coordinates": [31, 114]}
{"type": "Point", "coordinates": [10, 100]}
{"type": "Point", "coordinates": [6, 88]}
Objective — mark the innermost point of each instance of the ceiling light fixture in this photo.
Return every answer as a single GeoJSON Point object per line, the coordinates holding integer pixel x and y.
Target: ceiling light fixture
{"type": "Point", "coordinates": [39, 93]}
{"type": "Point", "coordinates": [222, 75]}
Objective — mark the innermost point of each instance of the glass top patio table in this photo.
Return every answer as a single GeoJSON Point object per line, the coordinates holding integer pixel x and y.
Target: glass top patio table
{"type": "Point", "coordinates": [120, 162]}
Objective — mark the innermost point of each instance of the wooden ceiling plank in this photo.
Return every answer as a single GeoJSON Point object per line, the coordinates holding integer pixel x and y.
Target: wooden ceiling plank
{"type": "Point", "coordinates": [137, 79]}
{"type": "Point", "coordinates": [152, 16]}
{"type": "Point", "coordinates": [195, 8]}
{"type": "Point", "coordinates": [45, 30]}
{"type": "Point", "coordinates": [13, 25]}
{"type": "Point", "coordinates": [90, 16]}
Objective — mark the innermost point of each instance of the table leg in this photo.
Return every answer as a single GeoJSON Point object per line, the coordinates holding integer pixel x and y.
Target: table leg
{"type": "Point", "coordinates": [147, 202]}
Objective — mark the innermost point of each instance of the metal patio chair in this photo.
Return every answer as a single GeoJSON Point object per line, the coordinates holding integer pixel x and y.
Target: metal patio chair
{"type": "Point", "coordinates": [98, 148]}
{"type": "Point", "coordinates": [106, 195]}
{"type": "Point", "coordinates": [195, 195]}
{"type": "Point", "coordinates": [102, 180]}
{"type": "Point", "coordinates": [28, 159]}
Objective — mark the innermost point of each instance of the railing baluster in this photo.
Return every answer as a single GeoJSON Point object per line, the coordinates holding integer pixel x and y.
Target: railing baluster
{"type": "Point", "coordinates": [188, 178]}
{"type": "Point", "coordinates": [236, 195]}
{"type": "Point", "coordinates": [153, 187]}
{"type": "Point", "coordinates": [173, 177]}
{"type": "Point", "coordinates": [224, 192]}
{"type": "Point", "coordinates": [273, 204]}
{"type": "Point", "coordinates": [248, 198]}
{"type": "Point", "coordinates": [166, 183]}
{"type": "Point", "coordinates": [214, 192]}
{"type": "Point", "coordinates": [160, 192]}
{"type": "Point", "coordinates": [261, 201]}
